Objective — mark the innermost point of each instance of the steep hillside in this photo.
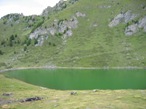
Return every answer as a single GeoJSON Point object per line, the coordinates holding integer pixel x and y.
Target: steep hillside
{"type": "Point", "coordinates": [79, 33]}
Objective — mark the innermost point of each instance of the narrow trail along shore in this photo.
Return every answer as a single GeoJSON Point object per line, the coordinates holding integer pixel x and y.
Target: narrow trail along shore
{"type": "Point", "coordinates": [55, 67]}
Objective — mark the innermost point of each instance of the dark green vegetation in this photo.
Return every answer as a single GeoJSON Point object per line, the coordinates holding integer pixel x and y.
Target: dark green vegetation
{"type": "Point", "coordinates": [77, 79]}
{"type": "Point", "coordinates": [92, 44]}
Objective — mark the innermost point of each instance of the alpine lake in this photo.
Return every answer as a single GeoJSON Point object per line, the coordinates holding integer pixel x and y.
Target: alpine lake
{"type": "Point", "coordinates": [82, 79]}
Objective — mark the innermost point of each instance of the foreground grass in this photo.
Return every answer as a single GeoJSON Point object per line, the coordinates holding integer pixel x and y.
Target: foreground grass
{"type": "Point", "coordinates": [57, 99]}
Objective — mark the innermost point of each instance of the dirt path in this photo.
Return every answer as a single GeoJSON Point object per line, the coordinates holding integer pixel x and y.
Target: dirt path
{"type": "Point", "coordinates": [55, 67]}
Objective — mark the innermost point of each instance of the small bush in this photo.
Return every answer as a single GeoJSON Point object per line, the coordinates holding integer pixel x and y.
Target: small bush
{"type": "Point", "coordinates": [35, 41]}
{"type": "Point", "coordinates": [1, 53]}
{"type": "Point", "coordinates": [12, 37]}
{"type": "Point", "coordinates": [11, 25]}
{"type": "Point", "coordinates": [4, 22]}
{"type": "Point", "coordinates": [28, 42]}
{"type": "Point", "coordinates": [25, 48]}
{"type": "Point", "coordinates": [3, 42]}
{"type": "Point", "coordinates": [2, 64]}
{"type": "Point", "coordinates": [54, 44]}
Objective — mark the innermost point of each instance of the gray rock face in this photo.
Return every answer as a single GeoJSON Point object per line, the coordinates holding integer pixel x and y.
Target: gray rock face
{"type": "Point", "coordinates": [122, 17]}
{"type": "Point", "coordinates": [142, 22]}
{"type": "Point", "coordinates": [37, 33]}
{"type": "Point", "coordinates": [40, 41]}
{"type": "Point", "coordinates": [59, 27]}
{"type": "Point", "coordinates": [118, 19]}
{"type": "Point", "coordinates": [128, 16]}
{"type": "Point", "coordinates": [62, 4]}
{"type": "Point", "coordinates": [12, 18]}
{"type": "Point", "coordinates": [130, 30]}
{"type": "Point", "coordinates": [68, 33]}
{"type": "Point", "coordinates": [79, 14]}
{"type": "Point", "coordinates": [47, 11]}
{"type": "Point", "coordinates": [52, 31]}
{"type": "Point", "coordinates": [144, 29]}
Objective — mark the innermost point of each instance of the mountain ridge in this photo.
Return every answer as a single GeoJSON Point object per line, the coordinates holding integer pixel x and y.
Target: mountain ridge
{"type": "Point", "coordinates": [81, 33]}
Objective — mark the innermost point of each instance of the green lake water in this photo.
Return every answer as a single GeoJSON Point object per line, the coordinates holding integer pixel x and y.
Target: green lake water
{"type": "Point", "coordinates": [82, 79]}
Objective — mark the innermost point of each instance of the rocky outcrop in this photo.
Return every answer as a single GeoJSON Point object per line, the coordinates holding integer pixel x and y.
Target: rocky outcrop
{"type": "Point", "coordinates": [11, 18]}
{"type": "Point", "coordinates": [122, 17]}
{"type": "Point", "coordinates": [58, 7]}
{"type": "Point", "coordinates": [62, 4]}
{"type": "Point", "coordinates": [130, 30]}
{"type": "Point", "coordinates": [62, 28]}
{"type": "Point", "coordinates": [133, 28]}
{"type": "Point", "coordinates": [128, 18]}
{"type": "Point", "coordinates": [79, 14]}
{"type": "Point", "coordinates": [47, 11]}
{"type": "Point", "coordinates": [142, 23]}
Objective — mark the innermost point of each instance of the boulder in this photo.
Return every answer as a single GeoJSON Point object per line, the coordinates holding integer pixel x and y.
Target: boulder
{"type": "Point", "coordinates": [31, 99]}
{"type": "Point", "coordinates": [130, 30]}
{"type": "Point", "coordinates": [7, 94]}
{"type": "Point", "coordinates": [79, 14]}
{"type": "Point", "coordinates": [73, 93]}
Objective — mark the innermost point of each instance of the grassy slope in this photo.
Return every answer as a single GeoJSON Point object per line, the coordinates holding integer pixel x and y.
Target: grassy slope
{"type": "Point", "coordinates": [89, 46]}
{"type": "Point", "coordinates": [117, 99]}
{"type": "Point", "coordinates": [101, 45]}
